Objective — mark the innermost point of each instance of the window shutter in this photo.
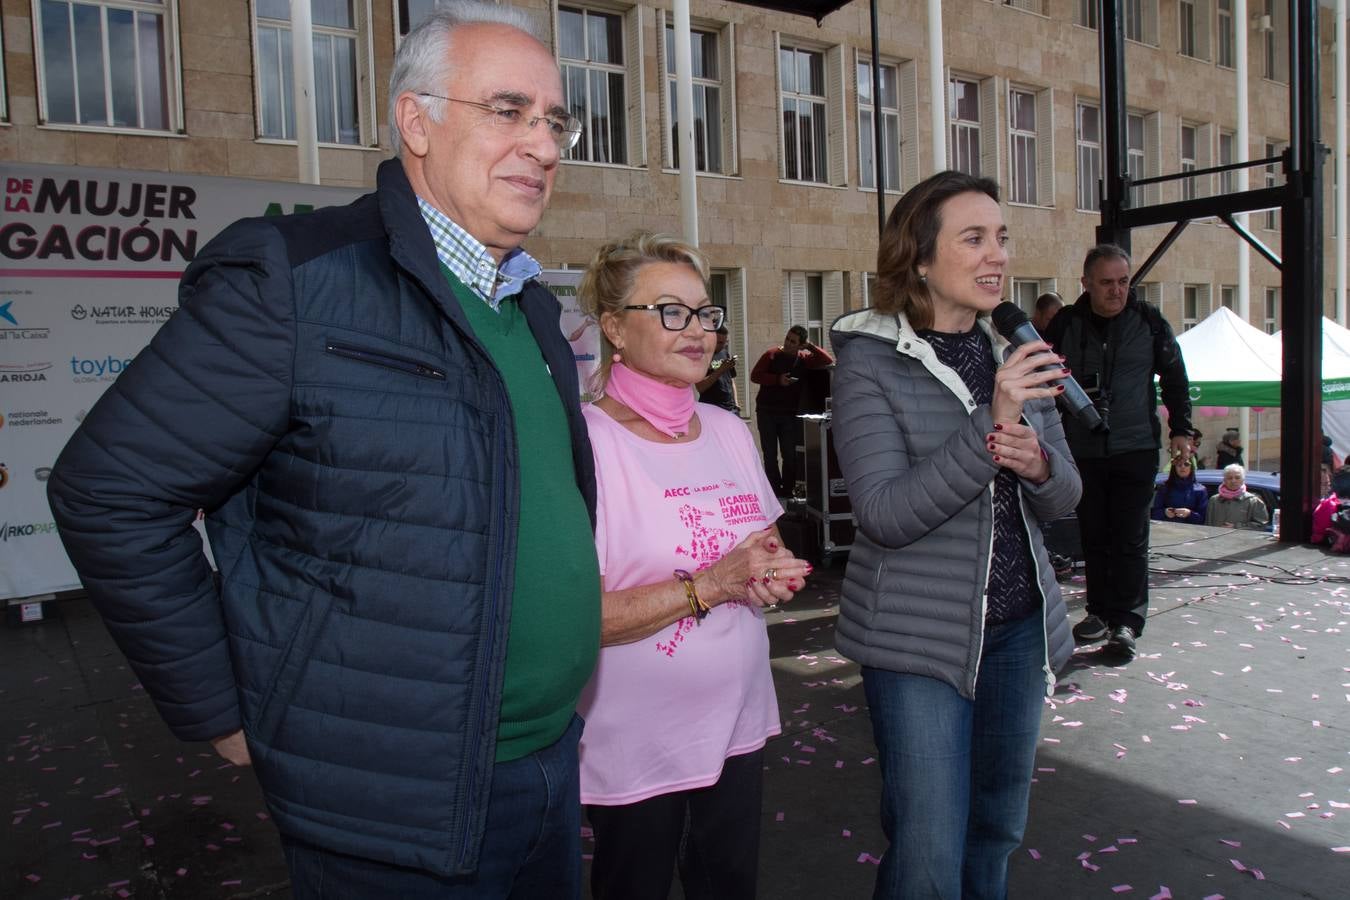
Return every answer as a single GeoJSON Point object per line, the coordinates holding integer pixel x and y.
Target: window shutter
{"type": "Point", "coordinates": [1204, 158]}
{"type": "Point", "coordinates": [1152, 156]}
{"type": "Point", "coordinates": [1203, 293]}
{"type": "Point", "coordinates": [991, 156]}
{"type": "Point", "coordinates": [731, 164]}
{"type": "Point", "coordinates": [832, 306]}
{"type": "Point", "coordinates": [778, 110]}
{"type": "Point", "coordinates": [365, 79]}
{"type": "Point", "coordinates": [1149, 8]}
{"type": "Point", "coordinates": [1048, 284]}
{"type": "Point", "coordinates": [909, 125]}
{"type": "Point", "coordinates": [1204, 30]}
{"type": "Point", "coordinates": [796, 313]}
{"type": "Point", "coordinates": [1280, 21]}
{"type": "Point", "coordinates": [787, 298]}
{"type": "Point", "coordinates": [667, 99]}
{"type": "Point", "coordinates": [557, 30]}
{"type": "Point", "coordinates": [939, 165]}
{"type": "Point", "coordinates": [637, 95]}
{"type": "Point", "coordinates": [836, 115]}
{"type": "Point", "coordinates": [738, 336]}
{"type": "Point", "coordinates": [1045, 148]}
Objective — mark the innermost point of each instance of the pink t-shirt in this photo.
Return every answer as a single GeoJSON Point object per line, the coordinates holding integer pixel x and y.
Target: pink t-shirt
{"type": "Point", "coordinates": [663, 713]}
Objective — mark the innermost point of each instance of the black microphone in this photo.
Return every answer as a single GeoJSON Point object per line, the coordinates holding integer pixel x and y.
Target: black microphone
{"type": "Point", "coordinates": [1014, 325]}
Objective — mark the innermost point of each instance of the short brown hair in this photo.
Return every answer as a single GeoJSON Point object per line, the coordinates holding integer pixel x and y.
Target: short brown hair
{"type": "Point", "coordinates": [909, 240]}
{"type": "Point", "coordinates": [607, 283]}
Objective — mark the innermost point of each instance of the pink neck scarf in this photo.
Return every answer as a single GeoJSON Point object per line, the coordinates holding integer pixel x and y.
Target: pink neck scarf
{"type": "Point", "coordinates": [1228, 494]}
{"type": "Point", "coordinates": [668, 409]}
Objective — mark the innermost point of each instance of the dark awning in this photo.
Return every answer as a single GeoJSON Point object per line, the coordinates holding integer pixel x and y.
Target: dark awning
{"type": "Point", "coordinates": [816, 9]}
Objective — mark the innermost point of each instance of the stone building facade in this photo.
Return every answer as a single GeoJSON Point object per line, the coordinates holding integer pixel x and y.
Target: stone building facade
{"type": "Point", "coordinates": [787, 204]}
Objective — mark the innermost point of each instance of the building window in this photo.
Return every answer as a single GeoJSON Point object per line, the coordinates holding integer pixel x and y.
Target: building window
{"type": "Point", "coordinates": [410, 13]}
{"type": "Point", "coordinates": [1228, 296]}
{"type": "Point", "coordinates": [592, 53]}
{"type": "Point", "coordinates": [1028, 5]}
{"type": "Point", "coordinates": [1086, 13]}
{"type": "Point", "coordinates": [109, 65]}
{"type": "Point", "coordinates": [1028, 114]}
{"type": "Point", "coordinates": [1271, 310]}
{"type": "Point", "coordinates": [338, 61]}
{"type": "Point", "coordinates": [1141, 155]}
{"type": "Point", "coordinates": [1150, 292]}
{"type": "Point", "coordinates": [1089, 136]}
{"type": "Point", "coordinates": [726, 288]}
{"type": "Point", "coordinates": [1227, 180]}
{"type": "Point", "coordinates": [1194, 305]}
{"type": "Point", "coordinates": [814, 300]}
{"type": "Point", "coordinates": [1024, 294]}
{"type": "Point", "coordinates": [972, 113]}
{"type": "Point", "coordinates": [1226, 55]}
{"type": "Point", "coordinates": [1274, 26]}
{"type": "Point", "coordinates": [706, 58]}
{"type": "Point", "coordinates": [805, 128]}
{"type": "Point", "coordinates": [890, 126]}
{"type": "Point", "coordinates": [1141, 20]}
{"type": "Point", "coordinates": [869, 289]}
{"type": "Point", "coordinates": [1188, 148]}
{"type": "Point", "coordinates": [1193, 28]}
{"type": "Point", "coordinates": [1273, 178]}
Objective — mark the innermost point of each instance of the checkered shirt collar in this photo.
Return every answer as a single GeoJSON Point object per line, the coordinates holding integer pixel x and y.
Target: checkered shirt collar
{"type": "Point", "coordinates": [471, 263]}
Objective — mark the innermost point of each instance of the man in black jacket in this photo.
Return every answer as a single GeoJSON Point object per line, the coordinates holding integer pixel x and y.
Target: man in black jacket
{"type": "Point", "coordinates": [378, 412]}
{"type": "Point", "coordinates": [1114, 344]}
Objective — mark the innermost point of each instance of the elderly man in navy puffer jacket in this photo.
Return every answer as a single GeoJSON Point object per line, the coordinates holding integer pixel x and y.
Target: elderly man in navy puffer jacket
{"type": "Point", "coordinates": [377, 410]}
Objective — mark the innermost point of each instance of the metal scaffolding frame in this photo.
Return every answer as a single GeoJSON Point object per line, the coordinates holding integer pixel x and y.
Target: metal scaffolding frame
{"type": "Point", "coordinates": [1300, 260]}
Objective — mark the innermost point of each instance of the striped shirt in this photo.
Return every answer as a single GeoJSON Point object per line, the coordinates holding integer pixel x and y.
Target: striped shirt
{"type": "Point", "coordinates": [471, 263]}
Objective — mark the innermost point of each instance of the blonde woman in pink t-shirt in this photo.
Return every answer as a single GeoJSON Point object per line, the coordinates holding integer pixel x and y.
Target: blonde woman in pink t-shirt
{"type": "Point", "coordinates": [682, 699]}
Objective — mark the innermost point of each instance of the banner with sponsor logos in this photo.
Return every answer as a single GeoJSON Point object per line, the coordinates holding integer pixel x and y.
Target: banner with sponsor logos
{"type": "Point", "coordinates": [89, 268]}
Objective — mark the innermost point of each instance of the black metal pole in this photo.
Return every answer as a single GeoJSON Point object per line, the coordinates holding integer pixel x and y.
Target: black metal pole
{"type": "Point", "coordinates": [1111, 35]}
{"type": "Point", "coordinates": [876, 124]}
{"type": "Point", "coordinates": [1301, 293]}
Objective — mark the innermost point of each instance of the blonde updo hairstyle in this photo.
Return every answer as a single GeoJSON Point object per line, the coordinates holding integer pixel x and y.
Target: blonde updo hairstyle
{"type": "Point", "coordinates": [608, 282]}
{"type": "Point", "coordinates": [909, 240]}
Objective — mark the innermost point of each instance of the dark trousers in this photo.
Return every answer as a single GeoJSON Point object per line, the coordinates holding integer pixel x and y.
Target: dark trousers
{"type": "Point", "coordinates": [1113, 523]}
{"type": "Point", "coordinates": [780, 433]}
{"type": "Point", "coordinates": [711, 834]}
{"type": "Point", "coordinates": [531, 848]}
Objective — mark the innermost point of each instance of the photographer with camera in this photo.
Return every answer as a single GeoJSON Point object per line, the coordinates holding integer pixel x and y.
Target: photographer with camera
{"type": "Point", "coordinates": [1114, 344]}
{"type": "Point", "coordinates": [779, 374]}
{"type": "Point", "coordinates": [718, 387]}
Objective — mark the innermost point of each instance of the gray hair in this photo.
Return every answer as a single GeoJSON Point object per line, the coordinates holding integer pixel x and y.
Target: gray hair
{"type": "Point", "coordinates": [423, 60]}
{"type": "Point", "coordinates": [1234, 467]}
{"type": "Point", "coordinates": [1103, 251]}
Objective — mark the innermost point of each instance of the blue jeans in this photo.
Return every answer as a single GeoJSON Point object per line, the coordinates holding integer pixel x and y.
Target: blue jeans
{"type": "Point", "coordinates": [956, 774]}
{"type": "Point", "coordinates": [531, 848]}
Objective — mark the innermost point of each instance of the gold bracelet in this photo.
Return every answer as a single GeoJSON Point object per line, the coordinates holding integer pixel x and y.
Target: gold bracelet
{"type": "Point", "coordinates": [699, 609]}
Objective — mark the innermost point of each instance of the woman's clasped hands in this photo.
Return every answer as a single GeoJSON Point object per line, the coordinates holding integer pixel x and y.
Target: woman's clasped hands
{"type": "Point", "coordinates": [761, 570]}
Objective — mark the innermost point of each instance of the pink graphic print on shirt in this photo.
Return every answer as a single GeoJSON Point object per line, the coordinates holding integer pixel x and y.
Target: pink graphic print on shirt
{"type": "Point", "coordinates": [706, 546]}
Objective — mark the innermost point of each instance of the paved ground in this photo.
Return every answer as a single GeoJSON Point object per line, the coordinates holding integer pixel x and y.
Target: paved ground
{"type": "Point", "coordinates": [1214, 766]}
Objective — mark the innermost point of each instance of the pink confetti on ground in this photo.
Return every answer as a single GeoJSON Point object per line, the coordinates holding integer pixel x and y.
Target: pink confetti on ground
{"type": "Point", "coordinates": [778, 817]}
{"type": "Point", "coordinates": [1121, 889]}
{"type": "Point", "coordinates": [1164, 893]}
{"type": "Point", "coordinates": [1033, 853]}
{"type": "Point", "coordinates": [868, 858]}
{"type": "Point", "coordinates": [1188, 802]}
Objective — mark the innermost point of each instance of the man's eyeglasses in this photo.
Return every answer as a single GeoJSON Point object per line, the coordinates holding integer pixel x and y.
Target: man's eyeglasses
{"type": "Point", "coordinates": [676, 316]}
{"type": "Point", "coordinates": [565, 130]}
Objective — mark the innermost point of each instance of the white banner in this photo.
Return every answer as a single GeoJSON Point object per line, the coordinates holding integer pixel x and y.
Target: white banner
{"type": "Point", "coordinates": [89, 268]}
{"type": "Point", "coordinates": [580, 329]}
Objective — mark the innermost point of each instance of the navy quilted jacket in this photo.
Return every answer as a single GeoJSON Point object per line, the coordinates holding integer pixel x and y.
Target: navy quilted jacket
{"type": "Point", "coordinates": [911, 445]}
{"type": "Point", "coordinates": [321, 394]}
